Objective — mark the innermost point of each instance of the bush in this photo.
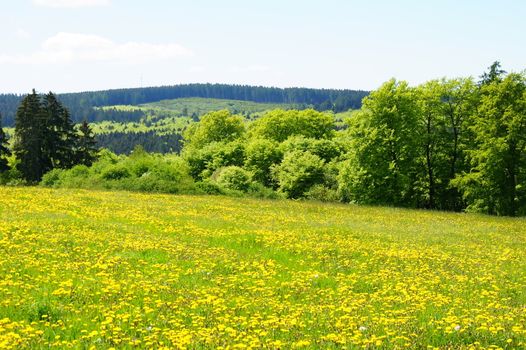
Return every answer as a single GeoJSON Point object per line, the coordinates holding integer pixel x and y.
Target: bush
{"type": "Point", "coordinates": [322, 193]}
{"type": "Point", "coordinates": [139, 172]}
{"type": "Point", "coordinates": [52, 178]}
{"type": "Point", "coordinates": [260, 156]}
{"type": "Point", "coordinates": [207, 187]}
{"type": "Point", "coordinates": [204, 161]}
{"type": "Point", "coordinates": [116, 172]}
{"type": "Point", "coordinates": [257, 190]}
{"type": "Point", "coordinates": [298, 172]}
{"type": "Point", "coordinates": [233, 178]}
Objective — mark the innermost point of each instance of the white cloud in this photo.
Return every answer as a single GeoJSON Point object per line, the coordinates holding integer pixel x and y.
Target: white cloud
{"type": "Point", "coordinates": [71, 3]}
{"type": "Point", "coordinates": [73, 47]}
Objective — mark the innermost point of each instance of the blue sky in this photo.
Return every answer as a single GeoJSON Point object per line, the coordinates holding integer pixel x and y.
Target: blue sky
{"type": "Point", "coordinates": [78, 45]}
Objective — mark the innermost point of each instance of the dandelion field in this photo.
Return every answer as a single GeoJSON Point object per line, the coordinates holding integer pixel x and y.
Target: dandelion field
{"type": "Point", "coordinates": [98, 270]}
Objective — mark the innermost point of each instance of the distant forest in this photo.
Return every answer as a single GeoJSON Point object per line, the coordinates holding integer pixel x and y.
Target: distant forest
{"type": "Point", "coordinates": [150, 141]}
{"type": "Point", "coordinates": [81, 104]}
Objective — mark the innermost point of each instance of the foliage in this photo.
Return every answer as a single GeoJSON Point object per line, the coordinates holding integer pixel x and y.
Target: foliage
{"type": "Point", "coordinates": [85, 145]}
{"type": "Point", "coordinates": [495, 182]}
{"type": "Point", "coordinates": [382, 166]}
{"type": "Point", "coordinates": [84, 105]}
{"type": "Point", "coordinates": [233, 178]}
{"type": "Point", "coordinates": [202, 162]}
{"type": "Point", "coordinates": [45, 138]}
{"type": "Point", "coordinates": [139, 172]}
{"type": "Point", "coordinates": [445, 108]}
{"type": "Point", "coordinates": [298, 172]}
{"type": "Point", "coordinates": [447, 144]}
{"type": "Point", "coordinates": [220, 126]}
{"type": "Point", "coordinates": [326, 149]}
{"type": "Point", "coordinates": [260, 156]}
{"type": "Point", "coordinates": [278, 125]}
{"type": "Point", "coordinates": [4, 150]}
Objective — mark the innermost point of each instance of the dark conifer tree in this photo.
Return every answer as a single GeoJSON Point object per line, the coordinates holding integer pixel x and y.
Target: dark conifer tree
{"type": "Point", "coordinates": [494, 73]}
{"type": "Point", "coordinates": [60, 137]}
{"type": "Point", "coordinates": [29, 137]}
{"type": "Point", "coordinates": [86, 150]}
{"type": "Point", "coordinates": [4, 149]}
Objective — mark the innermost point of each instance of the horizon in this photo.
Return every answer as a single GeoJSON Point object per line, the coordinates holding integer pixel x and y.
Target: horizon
{"type": "Point", "coordinates": [53, 45]}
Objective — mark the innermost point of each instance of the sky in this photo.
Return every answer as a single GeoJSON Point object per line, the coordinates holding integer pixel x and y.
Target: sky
{"type": "Point", "coordinates": [83, 45]}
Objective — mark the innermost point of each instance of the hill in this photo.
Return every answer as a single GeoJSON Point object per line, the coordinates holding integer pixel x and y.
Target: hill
{"type": "Point", "coordinates": [82, 104]}
{"type": "Point", "coordinates": [116, 269]}
{"type": "Point", "coordinates": [159, 128]}
{"type": "Point", "coordinates": [196, 106]}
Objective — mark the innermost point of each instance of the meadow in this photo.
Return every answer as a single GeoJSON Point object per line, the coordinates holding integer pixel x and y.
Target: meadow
{"type": "Point", "coordinates": [98, 270]}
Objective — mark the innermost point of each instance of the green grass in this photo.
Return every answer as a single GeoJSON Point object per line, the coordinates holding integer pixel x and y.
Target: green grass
{"type": "Point", "coordinates": [82, 269]}
{"type": "Point", "coordinates": [200, 106]}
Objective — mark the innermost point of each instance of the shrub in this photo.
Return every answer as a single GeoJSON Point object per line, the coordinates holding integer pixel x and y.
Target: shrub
{"type": "Point", "coordinates": [52, 178]}
{"type": "Point", "coordinates": [207, 187]}
{"type": "Point", "coordinates": [322, 193]}
{"type": "Point", "coordinates": [116, 172]}
{"type": "Point", "coordinates": [233, 178]}
{"type": "Point", "coordinates": [298, 172]}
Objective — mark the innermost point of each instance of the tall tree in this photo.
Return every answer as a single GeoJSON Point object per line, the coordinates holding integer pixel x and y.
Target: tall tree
{"type": "Point", "coordinates": [86, 145]}
{"type": "Point", "coordinates": [382, 166]}
{"type": "Point", "coordinates": [445, 106]}
{"type": "Point", "coordinates": [495, 183]}
{"type": "Point", "coordinates": [60, 137]}
{"type": "Point", "coordinates": [29, 138]}
{"type": "Point", "coordinates": [4, 149]}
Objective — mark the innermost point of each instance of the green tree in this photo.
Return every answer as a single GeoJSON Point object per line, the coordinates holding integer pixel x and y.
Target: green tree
{"type": "Point", "coordinates": [495, 182]}
{"type": "Point", "coordinates": [86, 146]}
{"type": "Point", "coordinates": [326, 149]}
{"type": "Point", "coordinates": [233, 177]}
{"type": "Point", "coordinates": [30, 128]}
{"type": "Point", "coordinates": [260, 156]}
{"type": "Point", "coordinates": [220, 126]}
{"type": "Point", "coordinates": [203, 161]}
{"type": "Point", "coordinates": [444, 109]}
{"type": "Point", "coordinates": [4, 149]}
{"type": "Point", "coordinates": [298, 172]}
{"type": "Point", "coordinates": [494, 73]}
{"type": "Point", "coordinates": [60, 137]}
{"type": "Point", "coordinates": [279, 125]}
{"type": "Point", "coordinates": [382, 166]}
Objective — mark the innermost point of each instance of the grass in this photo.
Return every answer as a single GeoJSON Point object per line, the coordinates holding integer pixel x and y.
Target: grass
{"type": "Point", "coordinates": [200, 106]}
{"type": "Point", "coordinates": [93, 269]}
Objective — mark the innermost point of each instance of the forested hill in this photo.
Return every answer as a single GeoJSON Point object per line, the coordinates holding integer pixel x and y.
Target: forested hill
{"type": "Point", "coordinates": [81, 104]}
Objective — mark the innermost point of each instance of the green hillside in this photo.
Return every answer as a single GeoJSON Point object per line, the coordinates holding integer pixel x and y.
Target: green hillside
{"type": "Point", "coordinates": [90, 269]}
{"type": "Point", "coordinates": [200, 106]}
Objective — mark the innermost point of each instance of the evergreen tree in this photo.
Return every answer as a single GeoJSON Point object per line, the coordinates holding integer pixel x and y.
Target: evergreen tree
{"type": "Point", "coordinates": [29, 139]}
{"type": "Point", "coordinates": [86, 150]}
{"type": "Point", "coordinates": [494, 73]}
{"type": "Point", "coordinates": [60, 137]}
{"type": "Point", "coordinates": [4, 150]}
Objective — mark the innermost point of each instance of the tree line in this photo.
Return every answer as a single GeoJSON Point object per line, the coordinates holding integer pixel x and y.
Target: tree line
{"type": "Point", "coordinates": [447, 144]}
{"type": "Point", "coordinates": [150, 141]}
{"type": "Point", "coordinates": [81, 105]}
{"type": "Point", "coordinates": [45, 139]}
